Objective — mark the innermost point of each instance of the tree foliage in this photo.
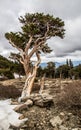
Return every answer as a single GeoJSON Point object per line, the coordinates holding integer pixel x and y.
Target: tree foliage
{"type": "Point", "coordinates": [5, 67]}
{"type": "Point", "coordinates": [8, 68]}
{"type": "Point", "coordinates": [63, 71]}
{"type": "Point", "coordinates": [41, 27]}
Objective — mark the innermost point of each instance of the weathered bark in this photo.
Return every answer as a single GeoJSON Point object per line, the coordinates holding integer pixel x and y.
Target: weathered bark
{"type": "Point", "coordinates": [26, 68]}
{"type": "Point", "coordinates": [30, 80]}
{"type": "Point", "coordinates": [42, 84]}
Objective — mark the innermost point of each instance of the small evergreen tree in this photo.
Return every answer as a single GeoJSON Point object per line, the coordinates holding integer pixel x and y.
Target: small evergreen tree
{"type": "Point", "coordinates": [5, 67]}
{"type": "Point", "coordinates": [70, 63]}
{"type": "Point", "coordinates": [67, 62]}
{"type": "Point", "coordinates": [50, 70]}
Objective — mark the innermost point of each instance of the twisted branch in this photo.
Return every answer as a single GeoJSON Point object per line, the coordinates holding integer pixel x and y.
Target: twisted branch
{"type": "Point", "coordinates": [28, 45]}
{"type": "Point", "coordinates": [19, 49]}
{"type": "Point", "coordinates": [43, 38]}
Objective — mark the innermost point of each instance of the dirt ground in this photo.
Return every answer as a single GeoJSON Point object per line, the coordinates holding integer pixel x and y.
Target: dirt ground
{"type": "Point", "coordinates": [46, 117]}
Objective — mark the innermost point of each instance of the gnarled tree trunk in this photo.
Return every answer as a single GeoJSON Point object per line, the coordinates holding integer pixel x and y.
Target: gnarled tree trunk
{"type": "Point", "coordinates": [30, 79]}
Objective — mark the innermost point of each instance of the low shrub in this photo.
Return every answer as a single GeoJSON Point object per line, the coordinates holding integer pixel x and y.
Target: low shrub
{"type": "Point", "coordinates": [70, 96]}
{"type": "Point", "coordinates": [9, 92]}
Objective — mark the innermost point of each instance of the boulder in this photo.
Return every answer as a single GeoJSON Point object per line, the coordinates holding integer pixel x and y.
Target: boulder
{"type": "Point", "coordinates": [56, 121]}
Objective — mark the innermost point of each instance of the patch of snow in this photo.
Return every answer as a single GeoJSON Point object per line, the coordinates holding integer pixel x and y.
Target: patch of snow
{"type": "Point", "coordinates": [17, 76]}
{"type": "Point", "coordinates": [8, 115]}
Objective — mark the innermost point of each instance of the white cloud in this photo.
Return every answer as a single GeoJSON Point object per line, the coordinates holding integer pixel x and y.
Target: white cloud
{"type": "Point", "coordinates": [69, 11]}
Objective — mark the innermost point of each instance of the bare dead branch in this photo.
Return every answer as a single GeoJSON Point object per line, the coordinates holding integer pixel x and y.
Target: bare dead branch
{"type": "Point", "coordinates": [43, 38]}
{"type": "Point", "coordinates": [47, 30]}
{"type": "Point", "coordinates": [19, 49]}
{"type": "Point", "coordinates": [42, 82]}
{"type": "Point", "coordinates": [28, 45]}
{"type": "Point", "coordinates": [35, 48]}
{"type": "Point", "coordinates": [21, 61]}
{"type": "Point", "coordinates": [38, 59]}
{"type": "Point", "coordinates": [14, 58]}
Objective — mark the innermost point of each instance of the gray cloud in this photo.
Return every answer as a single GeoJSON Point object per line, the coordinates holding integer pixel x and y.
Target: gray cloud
{"type": "Point", "coordinates": [69, 11]}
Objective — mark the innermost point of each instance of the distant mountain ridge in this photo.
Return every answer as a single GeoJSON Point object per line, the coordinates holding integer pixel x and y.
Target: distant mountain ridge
{"type": "Point", "coordinates": [57, 64]}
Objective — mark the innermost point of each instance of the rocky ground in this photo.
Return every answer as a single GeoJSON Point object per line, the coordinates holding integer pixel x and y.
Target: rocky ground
{"type": "Point", "coordinates": [44, 112]}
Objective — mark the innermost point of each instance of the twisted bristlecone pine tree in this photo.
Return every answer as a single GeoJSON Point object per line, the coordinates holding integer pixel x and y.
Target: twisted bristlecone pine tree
{"type": "Point", "coordinates": [36, 29]}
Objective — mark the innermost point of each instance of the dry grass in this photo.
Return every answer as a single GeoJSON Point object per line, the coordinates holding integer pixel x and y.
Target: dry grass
{"type": "Point", "coordinates": [12, 88]}
{"type": "Point", "coordinates": [70, 96]}
{"type": "Point", "coordinates": [9, 92]}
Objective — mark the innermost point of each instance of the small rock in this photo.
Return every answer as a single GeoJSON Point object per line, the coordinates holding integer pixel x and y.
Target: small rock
{"type": "Point", "coordinates": [21, 117]}
{"type": "Point", "coordinates": [56, 121]}
{"type": "Point", "coordinates": [63, 127]}
{"type": "Point", "coordinates": [69, 114]}
{"type": "Point", "coordinates": [75, 129]}
{"type": "Point", "coordinates": [62, 114]}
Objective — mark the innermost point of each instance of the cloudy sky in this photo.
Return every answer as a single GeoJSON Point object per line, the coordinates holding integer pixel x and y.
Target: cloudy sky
{"type": "Point", "coordinates": [68, 10]}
